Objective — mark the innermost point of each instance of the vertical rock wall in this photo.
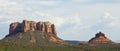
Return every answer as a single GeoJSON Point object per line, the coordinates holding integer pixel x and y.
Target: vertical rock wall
{"type": "Point", "coordinates": [13, 27]}
{"type": "Point", "coordinates": [32, 26]}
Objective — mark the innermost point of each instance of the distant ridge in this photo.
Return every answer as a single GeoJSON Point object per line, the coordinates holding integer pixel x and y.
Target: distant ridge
{"type": "Point", "coordinates": [73, 41]}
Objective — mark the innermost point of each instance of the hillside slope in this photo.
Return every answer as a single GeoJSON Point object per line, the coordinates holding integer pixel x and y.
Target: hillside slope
{"type": "Point", "coordinates": [36, 37]}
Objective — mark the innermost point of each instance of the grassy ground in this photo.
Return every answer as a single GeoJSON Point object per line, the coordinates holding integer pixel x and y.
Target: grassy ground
{"type": "Point", "coordinates": [16, 47]}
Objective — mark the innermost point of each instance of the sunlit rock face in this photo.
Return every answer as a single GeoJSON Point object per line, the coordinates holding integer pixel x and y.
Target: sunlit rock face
{"type": "Point", "coordinates": [32, 26]}
{"type": "Point", "coordinates": [100, 38]}
{"type": "Point", "coordinates": [33, 32]}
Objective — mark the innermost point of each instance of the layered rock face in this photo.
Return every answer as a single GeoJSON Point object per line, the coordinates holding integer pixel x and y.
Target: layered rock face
{"type": "Point", "coordinates": [31, 26]}
{"type": "Point", "coordinates": [99, 39]}
{"type": "Point", "coordinates": [33, 32]}
{"type": "Point", "coordinates": [15, 28]}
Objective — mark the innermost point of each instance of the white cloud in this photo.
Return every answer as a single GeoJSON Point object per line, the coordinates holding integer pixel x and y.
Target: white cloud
{"type": "Point", "coordinates": [75, 18]}
{"type": "Point", "coordinates": [7, 3]}
{"type": "Point", "coordinates": [113, 21]}
{"type": "Point", "coordinates": [47, 17]}
{"type": "Point", "coordinates": [81, 1]}
{"type": "Point", "coordinates": [45, 3]}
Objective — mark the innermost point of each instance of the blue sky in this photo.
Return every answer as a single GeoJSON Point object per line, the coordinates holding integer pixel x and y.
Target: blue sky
{"type": "Point", "coordinates": [74, 19]}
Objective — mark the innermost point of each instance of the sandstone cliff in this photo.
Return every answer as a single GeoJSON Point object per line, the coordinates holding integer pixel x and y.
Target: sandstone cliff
{"type": "Point", "coordinates": [99, 39]}
{"type": "Point", "coordinates": [33, 32]}
{"type": "Point", "coordinates": [32, 26]}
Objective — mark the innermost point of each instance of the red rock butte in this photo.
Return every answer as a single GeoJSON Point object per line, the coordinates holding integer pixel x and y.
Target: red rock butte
{"type": "Point", "coordinates": [100, 38]}
{"type": "Point", "coordinates": [32, 26]}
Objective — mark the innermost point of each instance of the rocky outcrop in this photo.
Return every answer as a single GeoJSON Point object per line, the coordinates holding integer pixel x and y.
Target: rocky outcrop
{"type": "Point", "coordinates": [53, 29]}
{"type": "Point", "coordinates": [33, 32]}
{"type": "Point", "coordinates": [32, 26]}
{"type": "Point", "coordinates": [28, 26]}
{"type": "Point", "coordinates": [15, 28]}
{"type": "Point", "coordinates": [55, 40]}
{"type": "Point", "coordinates": [100, 38]}
{"type": "Point", "coordinates": [41, 26]}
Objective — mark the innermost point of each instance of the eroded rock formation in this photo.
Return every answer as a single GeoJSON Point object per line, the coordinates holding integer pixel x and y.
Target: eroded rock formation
{"type": "Point", "coordinates": [14, 28]}
{"type": "Point", "coordinates": [32, 26]}
{"type": "Point", "coordinates": [53, 29]}
{"type": "Point", "coordinates": [33, 32]}
{"type": "Point", "coordinates": [99, 39]}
